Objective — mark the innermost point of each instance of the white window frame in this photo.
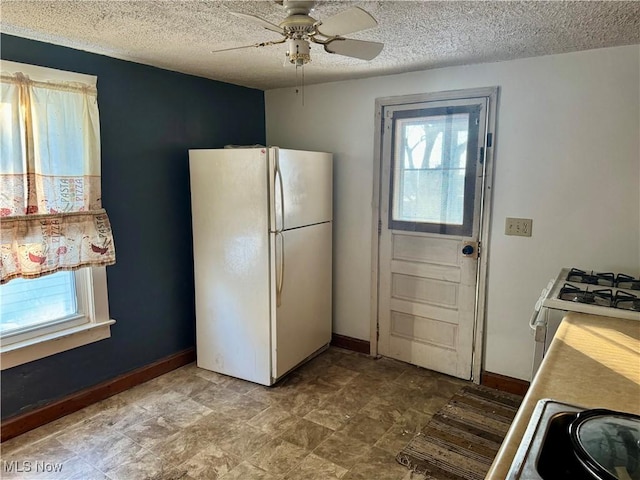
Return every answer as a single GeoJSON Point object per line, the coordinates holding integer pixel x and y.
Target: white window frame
{"type": "Point", "coordinates": [93, 322]}
{"type": "Point", "coordinates": [94, 325]}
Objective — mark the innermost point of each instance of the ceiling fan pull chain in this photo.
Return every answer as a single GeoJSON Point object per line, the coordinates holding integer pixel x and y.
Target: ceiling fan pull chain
{"type": "Point", "coordinates": [302, 85]}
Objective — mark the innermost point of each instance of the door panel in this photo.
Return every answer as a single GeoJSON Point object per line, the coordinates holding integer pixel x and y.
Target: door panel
{"type": "Point", "coordinates": [307, 179]}
{"type": "Point", "coordinates": [426, 249]}
{"type": "Point", "coordinates": [303, 317]}
{"type": "Point", "coordinates": [429, 210]}
{"type": "Point", "coordinates": [424, 330]}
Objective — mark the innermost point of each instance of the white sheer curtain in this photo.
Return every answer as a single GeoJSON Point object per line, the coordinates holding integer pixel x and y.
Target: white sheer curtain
{"type": "Point", "coordinates": [51, 217]}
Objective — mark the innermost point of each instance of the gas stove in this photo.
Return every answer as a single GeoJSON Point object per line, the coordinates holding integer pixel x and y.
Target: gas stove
{"type": "Point", "coordinates": [597, 293]}
{"type": "Point", "coordinates": [575, 290]}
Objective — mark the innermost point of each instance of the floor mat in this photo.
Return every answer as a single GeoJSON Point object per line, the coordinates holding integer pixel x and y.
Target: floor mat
{"type": "Point", "coordinates": [462, 439]}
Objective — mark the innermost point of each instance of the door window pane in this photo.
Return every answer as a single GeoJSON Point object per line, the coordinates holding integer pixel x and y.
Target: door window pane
{"type": "Point", "coordinates": [433, 184]}
{"type": "Point", "coordinates": [26, 303]}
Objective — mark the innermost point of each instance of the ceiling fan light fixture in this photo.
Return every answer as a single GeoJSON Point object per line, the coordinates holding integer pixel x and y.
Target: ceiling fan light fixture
{"type": "Point", "coordinates": [298, 51]}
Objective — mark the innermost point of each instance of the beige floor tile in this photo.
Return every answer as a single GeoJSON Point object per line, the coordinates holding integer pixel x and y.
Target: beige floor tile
{"type": "Point", "coordinates": [239, 386]}
{"type": "Point", "coordinates": [183, 445]}
{"type": "Point", "coordinates": [244, 440]}
{"type": "Point", "coordinates": [364, 386]}
{"type": "Point", "coordinates": [108, 453]}
{"type": "Point", "coordinates": [243, 407]}
{"type": "Point", "coordinates": [84, 437]}
{"type": "Point", "coordinates": [365, 429]}
{"type": "Point", "coordinates": [301, 403]}
{"type": "Point", "coordinates": [316, 468]}
{"type": "Point", "coordinates": [209, 464]}
{"type": "Point", "coordinates": [331, 415]}
{"type": "Point", "coordinates": [413, 420]}
{"type": "Point", "coordinates": [386, 369]}
{"type": "Point", "coordinates": [175, 408]}
{"type": "Point", "coordinates": [118, 413]}
{"type": "Point", "coordinates": [382, 410]}
{"type": "Point", "coordinates": [189, 384]}
{"type": "Point", "coordinates": [47, 450]}
{"type": "Point", "coordinates": [357, 362]}
{"type": "Point", "coordinates": [414, 476]}
{"type": "Point", "coordinates": [278, 457]}
{"type": "Point", "coordinates": [246, 471]}
{"type": "Point", "coordinates": [395, 439]}
{"type": "Point", "coordinates": [79, 469]}
{"type": "Point", "coordinates": [337, 376]}
{"type": "Point", "coordinates": [152, 432]}
{"type": "Point", "coordinates": [342, 450]}
{"type": "Point", "coordinates": [378, 464]}
{"type": "Point", "coordinates": [215, 395]}
{"type": "Point", "coordinates": [273, 420]}
{"type": "Point", "coordinates": [306, 434]}
{"type": "Point", "coordinates": [143, 465]}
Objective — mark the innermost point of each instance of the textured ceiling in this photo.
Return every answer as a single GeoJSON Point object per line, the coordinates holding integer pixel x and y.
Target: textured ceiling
{"type": "Point", "coordinates": [179, 35]}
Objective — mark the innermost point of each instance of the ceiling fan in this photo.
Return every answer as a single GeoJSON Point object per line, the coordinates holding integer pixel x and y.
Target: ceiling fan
{"type": "Point", "coordinates": [299, 29]}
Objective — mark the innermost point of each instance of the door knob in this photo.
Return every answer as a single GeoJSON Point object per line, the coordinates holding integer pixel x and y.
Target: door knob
{"type": "Point", "coordinates": [470, 249]}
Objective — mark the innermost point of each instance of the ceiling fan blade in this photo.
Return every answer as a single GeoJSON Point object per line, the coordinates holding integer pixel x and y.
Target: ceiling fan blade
{"type": "Point", "coordinates": [255, 45]}
{"type": "Point", "coordinates": [354, 48]}
{"type": "Point", "coordinates": [351, 20]}
{"type": "Point", "coordinates": [260, 21]}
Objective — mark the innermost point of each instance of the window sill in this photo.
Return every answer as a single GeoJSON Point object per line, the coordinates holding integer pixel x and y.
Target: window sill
{"type": "Point", "coordinates": [45, 345]}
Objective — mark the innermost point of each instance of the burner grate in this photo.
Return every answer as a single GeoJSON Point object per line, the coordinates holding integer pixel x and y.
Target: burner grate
{"type": "Point", "coordinates": [627, 281]}
{"type": "Point", "coordinates": [600, 297]}
{"type": "Point", "coordinates": [592, 278]}
{"type": "Point", "coordinates": [627, 301]}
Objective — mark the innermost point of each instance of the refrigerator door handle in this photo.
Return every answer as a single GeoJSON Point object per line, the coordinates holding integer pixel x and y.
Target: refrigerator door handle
{"type": "Point", "coordinates": [278, 175]}
{"type": "Point", "coordinates": [280, 278]}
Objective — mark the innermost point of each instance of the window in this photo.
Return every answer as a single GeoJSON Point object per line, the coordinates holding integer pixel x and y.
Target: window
{"type": "Point", "coordinates": [28, 304]}
{"type": "Point", "coordinates": [55, 238]}
{"type": "Point", "coordinates": [433, 187]}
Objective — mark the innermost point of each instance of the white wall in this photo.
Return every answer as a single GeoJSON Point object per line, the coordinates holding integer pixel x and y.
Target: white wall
{"type": "Point", "coordinates": [567, 156]}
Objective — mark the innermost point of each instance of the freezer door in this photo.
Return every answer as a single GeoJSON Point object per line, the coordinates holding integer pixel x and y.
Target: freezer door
{"type": "Point", "coordinates": [302, 309]}
{"type": "Point", "coordinates": [304, 180]}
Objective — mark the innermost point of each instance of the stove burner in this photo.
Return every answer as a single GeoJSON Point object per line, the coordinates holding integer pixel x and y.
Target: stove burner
{"type": "Point", "coordinates": [626, 301]}
{"type": "Point", "coordinates": [591, 278]}
{"type": "Point", "coordinates": [627, 281]}
{"type": "Point", "coordinates": [601, 297]}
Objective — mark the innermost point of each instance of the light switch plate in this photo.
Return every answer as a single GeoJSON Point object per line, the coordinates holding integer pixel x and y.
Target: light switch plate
{"type": "Point", "coordinates": [518, 226]}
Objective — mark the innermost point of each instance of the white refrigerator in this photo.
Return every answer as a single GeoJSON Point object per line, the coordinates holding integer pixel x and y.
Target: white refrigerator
{"type": "Point", "coordinates": [262, 228]}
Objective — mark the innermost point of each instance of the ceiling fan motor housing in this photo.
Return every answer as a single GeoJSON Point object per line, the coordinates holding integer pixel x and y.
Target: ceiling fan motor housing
{"type": "Point", "coordinates": [296, 7]}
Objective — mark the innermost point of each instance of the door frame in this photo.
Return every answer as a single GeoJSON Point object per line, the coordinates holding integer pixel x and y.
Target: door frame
{"type": "Point", "coordinates": [491, 93]}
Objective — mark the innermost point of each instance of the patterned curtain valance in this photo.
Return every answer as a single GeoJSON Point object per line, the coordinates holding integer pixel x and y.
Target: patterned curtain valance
{"type": "Point", "coordinates": [34, 245]}
{"type": "Point", "coordinates": [51, 217]}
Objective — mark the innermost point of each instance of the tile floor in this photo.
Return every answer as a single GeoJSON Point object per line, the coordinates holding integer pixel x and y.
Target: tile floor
{"type": "Point", "coordinates": [341, 416]}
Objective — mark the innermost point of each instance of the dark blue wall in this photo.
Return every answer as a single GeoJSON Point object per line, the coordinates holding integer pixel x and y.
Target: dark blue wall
{"type": "Point", "coordinates": [149, 118]}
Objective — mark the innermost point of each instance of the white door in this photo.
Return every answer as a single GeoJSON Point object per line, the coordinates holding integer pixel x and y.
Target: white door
{"type": "Point", "coordinates": [430, 196]}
